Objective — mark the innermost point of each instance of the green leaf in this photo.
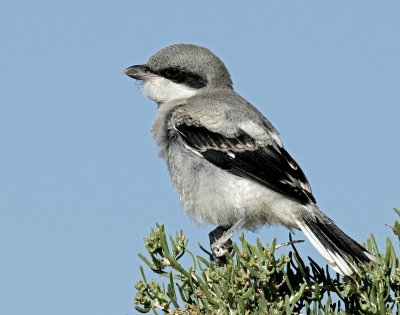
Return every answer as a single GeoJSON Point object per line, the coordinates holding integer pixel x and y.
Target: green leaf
{"type": "Point", "coordinates": [142, 310]}
{"type": "Point", "coordinates": [254, 281]}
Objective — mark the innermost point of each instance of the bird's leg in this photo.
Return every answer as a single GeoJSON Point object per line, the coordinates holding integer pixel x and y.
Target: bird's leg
{"type": "Point", "coordinates": [220, 241]}
{"type": "Point", "coordinates": [218, 250]}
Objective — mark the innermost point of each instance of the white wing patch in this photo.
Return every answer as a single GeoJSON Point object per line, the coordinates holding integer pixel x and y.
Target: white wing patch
{"type": "Point", "coordinates": [232, 155]}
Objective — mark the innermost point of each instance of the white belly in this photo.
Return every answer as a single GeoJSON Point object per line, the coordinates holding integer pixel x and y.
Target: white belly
{"type": "Point", "coordinates": [211, 195]}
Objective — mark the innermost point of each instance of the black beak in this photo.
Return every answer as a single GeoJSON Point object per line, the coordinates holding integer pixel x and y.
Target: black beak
{"type": "Point", "coordinates": [138, 72]}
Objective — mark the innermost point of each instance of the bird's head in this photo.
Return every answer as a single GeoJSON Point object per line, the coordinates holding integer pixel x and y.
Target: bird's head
{"type": "Point", "coordinates": [180, 71]}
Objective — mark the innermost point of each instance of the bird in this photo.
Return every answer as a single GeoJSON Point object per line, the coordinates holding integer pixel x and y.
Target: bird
{"type": "Point", "coordinates": [227, 161]}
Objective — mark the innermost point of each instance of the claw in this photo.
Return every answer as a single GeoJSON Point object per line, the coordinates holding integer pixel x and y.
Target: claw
{"type": "Point", "coordinates": [221, 243]}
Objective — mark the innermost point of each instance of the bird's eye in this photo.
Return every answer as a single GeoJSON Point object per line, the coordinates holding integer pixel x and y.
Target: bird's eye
{"type": "Point", "coordinates": [184, 76]}
{"type": "Point", "coordinates": [173, 73]}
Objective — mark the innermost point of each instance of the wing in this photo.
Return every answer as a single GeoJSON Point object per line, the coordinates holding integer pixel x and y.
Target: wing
{"type": "Point", "coordinates": [266, 163]}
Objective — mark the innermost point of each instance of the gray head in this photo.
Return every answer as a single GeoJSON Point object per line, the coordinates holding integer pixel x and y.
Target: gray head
{"type": "Point", "coordinates": [180, 71]}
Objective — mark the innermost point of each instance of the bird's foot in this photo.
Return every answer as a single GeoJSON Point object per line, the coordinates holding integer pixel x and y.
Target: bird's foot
{"type": "Point", "coordinates": [221, 243]}
{"type": "Point", "coordinates": [218, 249]}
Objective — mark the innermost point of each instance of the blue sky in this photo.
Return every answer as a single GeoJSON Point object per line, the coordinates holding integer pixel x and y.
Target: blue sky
{"type": "Point", "coordinates": [80, 180]}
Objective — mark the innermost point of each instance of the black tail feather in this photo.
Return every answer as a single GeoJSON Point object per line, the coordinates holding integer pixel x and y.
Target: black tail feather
{"type": "Point", "coordinates": [332, 236]}
{"type": "Point", "coordinates": [341, 251]}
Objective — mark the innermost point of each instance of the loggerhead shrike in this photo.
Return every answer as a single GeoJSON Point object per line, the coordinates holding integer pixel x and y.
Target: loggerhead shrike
{"type": "Point", "coordinates": [227, 160]}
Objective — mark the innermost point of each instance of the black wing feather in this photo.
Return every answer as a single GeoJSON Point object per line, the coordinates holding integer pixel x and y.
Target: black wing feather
{"type": "Point", "coordinates": [268, 165]}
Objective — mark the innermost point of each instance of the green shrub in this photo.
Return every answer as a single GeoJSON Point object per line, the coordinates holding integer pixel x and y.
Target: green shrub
{"type": "Point", "coordinates": [255, 281]}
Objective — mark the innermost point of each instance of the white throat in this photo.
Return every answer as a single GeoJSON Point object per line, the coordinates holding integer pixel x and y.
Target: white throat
{"type": "Point", "coordinates": [163, 90]}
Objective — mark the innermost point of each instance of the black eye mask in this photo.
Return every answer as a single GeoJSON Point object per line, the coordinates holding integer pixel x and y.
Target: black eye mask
{"type": "Point", "coordinates": [182, 76]}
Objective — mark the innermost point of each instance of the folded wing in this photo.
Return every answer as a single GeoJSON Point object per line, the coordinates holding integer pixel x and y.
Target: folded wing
{"type": "Point", "coordinates": [266, 162]}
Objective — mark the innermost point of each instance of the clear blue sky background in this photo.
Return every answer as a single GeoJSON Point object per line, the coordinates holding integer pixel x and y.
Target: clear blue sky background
{"type": "Point", "coordinates": [80, 180]}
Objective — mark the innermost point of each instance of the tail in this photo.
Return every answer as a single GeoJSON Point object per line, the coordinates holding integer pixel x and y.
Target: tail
{"type": "Point", "coordinates": [333, 244]}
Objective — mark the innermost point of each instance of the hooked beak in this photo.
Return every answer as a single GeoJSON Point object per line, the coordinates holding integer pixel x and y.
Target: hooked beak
{"type": "Point", "coordinates": [138, 72]}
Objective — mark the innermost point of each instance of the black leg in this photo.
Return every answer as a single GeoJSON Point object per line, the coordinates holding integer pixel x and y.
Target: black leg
{"type": "Point", "coordinates": [220, 241]}
{"type": "Point", "coordinates": [219, 250]}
